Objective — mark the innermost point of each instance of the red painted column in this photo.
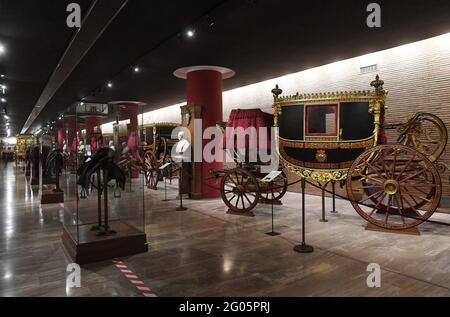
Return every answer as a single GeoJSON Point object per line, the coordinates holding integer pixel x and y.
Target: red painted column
{"type": "Point", "coordinates": [130, 111]}
{"type": "Point", "coordinates": [134, 126]}
{"type": "Point", "coordinates": [72, 133]}
{"type": "Point", "coordinates": [61, 136]}
{"type": "Point", "coordinates": [204, 87]}
{"type": "Point", "coordinates": [92, 122]}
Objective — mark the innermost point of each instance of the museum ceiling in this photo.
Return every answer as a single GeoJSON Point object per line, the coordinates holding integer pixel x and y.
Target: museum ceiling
{"type": "Point", "coordinates": [259, 39]}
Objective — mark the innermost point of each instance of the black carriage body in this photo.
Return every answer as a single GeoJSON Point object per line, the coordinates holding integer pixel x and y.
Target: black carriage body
{"type": "Point", "coordinates": [321, 135]}
{"type": "Point", "coordinates": [304, 140]}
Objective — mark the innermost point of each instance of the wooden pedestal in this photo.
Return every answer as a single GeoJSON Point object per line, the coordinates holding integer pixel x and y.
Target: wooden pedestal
{"type": "Point", "coordinates": [246, 214]}
{"type": "Point", "coordinates": [412, 232]}
{"type": "Point", "coordinates": [92, 248]}
{"type": "Point", "coordinates": [50, 197]}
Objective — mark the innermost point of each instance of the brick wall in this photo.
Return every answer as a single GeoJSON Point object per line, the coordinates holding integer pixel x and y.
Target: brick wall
{"type": "Point", "coordinates": [417, 77]}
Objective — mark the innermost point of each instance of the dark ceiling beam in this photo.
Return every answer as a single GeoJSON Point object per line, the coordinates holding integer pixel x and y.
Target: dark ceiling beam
{"type": "Point", "coordinates": [95, 21]}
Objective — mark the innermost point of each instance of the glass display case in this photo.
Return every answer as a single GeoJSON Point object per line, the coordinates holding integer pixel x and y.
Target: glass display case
{"type": "Point", "coordinates": [104, 214]}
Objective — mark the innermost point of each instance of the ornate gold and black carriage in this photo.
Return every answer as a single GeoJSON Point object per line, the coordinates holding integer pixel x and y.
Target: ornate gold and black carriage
{"type": "Point", "coordinates": [342, 137]}
{"type": "Point", "coordinates": [156, 151]}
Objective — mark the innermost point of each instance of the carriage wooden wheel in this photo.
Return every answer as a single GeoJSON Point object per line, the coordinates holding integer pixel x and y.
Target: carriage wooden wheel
{"type": "Point", "coordinates": [151, 170]}
{"type": "Point", "coordinates": [240, 190]}
{"type": "Point", "coordinates": [401, 186]}
{"type": "Point", "coordinates": [426, 133]}
{"type": "Point", "coordinates": [277, 191]}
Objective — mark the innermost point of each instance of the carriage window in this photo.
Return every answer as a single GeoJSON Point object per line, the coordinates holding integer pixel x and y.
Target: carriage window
{"type": "Point", "coordinates": [321, 120]}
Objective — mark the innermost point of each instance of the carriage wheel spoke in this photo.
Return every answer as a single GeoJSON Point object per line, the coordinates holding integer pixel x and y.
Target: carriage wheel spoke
{"type": "Point", "coordinates": [394, 163]}
{"type": "Point", "coordinates": [414, 175]}
{"type": "Point", "coordinates": [419, 190]}
{"type": "Point", "coordinates": [418, 196]}
{"type": "Point", "coordinates": [406, 167]}
{"type": "Point", "coordinates": [369, 187]}
{"type": "Point", "coordinates": [372, 196]}
{"type": "Point", "coordinates": [383, 163]}
{"type": "Point", "coordinates": [382, 196]}
{"type": "Point", "coordinates": [399, 207]}
{"type": "Point", "coordinates": [375, 170]}
{"type": "Point", "coordinates": [413, 208]}
{"type": "Point", "coordinates": [247, 199]}
{"type": "Point", "coordinates": [386, 217]}
{"type": "Point", "coordinates": [420, 185]}
{"type": "Point", "coordinates": [237, 179]}
{"type": "Point", "coordinates": [371, 178]}
{"type": "Point", "coordinates": [237, 202]}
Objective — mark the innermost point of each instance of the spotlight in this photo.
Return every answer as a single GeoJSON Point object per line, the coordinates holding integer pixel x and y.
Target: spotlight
{"type": "Point", "coordinates": [2, 76]}
{"type": "Point", "coordinates": [136, 69]}
{"type": "Point", "coordinates": [2, 49]}
{"type": "Point", "coordinates": [210, 21]}
{"type": "Point", "coordinates": [190, 33]}
{"type": "Point", "coordinates": [3, 100]}
{"type": "Point", "coordinates": [6, 117]}
{"type": "Point", "coordinates": [110, 85]}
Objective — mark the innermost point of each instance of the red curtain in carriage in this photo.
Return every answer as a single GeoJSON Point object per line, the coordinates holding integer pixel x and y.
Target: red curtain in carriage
{"type": "Point", "coordinates": [245, 119]}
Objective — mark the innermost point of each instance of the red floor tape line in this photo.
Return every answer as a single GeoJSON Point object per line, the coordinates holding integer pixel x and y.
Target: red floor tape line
{"type": "Point", "coordinates": [129, 275]}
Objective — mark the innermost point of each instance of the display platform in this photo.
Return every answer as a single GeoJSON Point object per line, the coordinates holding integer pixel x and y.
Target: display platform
{"type": "Point", "coordinates": [49, 197]}
{"type": "Point", "coordinates": [92, 247]}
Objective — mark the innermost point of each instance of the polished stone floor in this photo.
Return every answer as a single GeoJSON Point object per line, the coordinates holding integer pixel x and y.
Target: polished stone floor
{"type": "Point", "coordinates": [205, 252]}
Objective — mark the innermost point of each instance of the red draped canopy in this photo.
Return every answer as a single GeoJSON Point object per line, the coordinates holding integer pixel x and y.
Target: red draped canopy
{"type": "Point", "coordinates": [258, 138]}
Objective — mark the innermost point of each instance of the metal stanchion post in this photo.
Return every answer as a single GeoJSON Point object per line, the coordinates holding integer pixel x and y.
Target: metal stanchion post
{"type": "Point", "coordinates": [181, 208]}
{"type": "Point", "coordinates": [333, 184]}
{"type": "Point", "coordinates": [165, 189]}
{"type": "Point", "coordinates": [303, 248]}
{"type": "Point", "coordinates": [324, 219]}
{"type": "Point", "coordinates": [272, 233]}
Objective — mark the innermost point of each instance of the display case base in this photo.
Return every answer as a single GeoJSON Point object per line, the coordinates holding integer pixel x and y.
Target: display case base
{"type": "Point", "coordinates": [412, 231]}
{"type": "Point", "coordinates": [49, 197]}
{"type": "Point", "coordinates": [92, 248]}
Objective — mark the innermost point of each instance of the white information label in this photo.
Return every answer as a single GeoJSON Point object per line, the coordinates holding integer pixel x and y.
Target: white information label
{"type": "Point", "coordinates": [165, 166]}
{"type": "Point", "coordinates": [271, 176]}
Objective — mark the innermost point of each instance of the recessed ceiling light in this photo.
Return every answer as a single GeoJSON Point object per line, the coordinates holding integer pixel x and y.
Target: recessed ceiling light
{"type": "Point", "coordinates": [2, 49]}
{"type": "Point", "coordinates": [190, 33]}
{"type": "Point", "coordinates": [110, 84]}
{"type": "Point", "coordinates": [136, 69]}
{"type": "Point", "coordinates": [2, 76]}
{"type": "Point", "coordinates": [3, 100]}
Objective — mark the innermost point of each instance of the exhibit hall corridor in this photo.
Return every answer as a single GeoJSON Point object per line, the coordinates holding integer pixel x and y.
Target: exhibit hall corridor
{"type": "Point", "coordinates": [205, 252]}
